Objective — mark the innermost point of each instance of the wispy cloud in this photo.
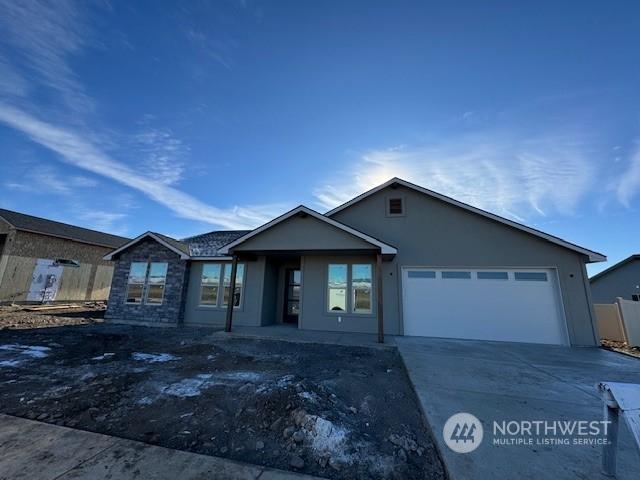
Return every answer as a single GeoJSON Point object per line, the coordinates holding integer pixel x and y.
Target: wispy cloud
{"type": "Point", "coordinates": [517, 178]}
{"type": "Point", "coordinates": [40, 37]}
{"type": "Point", "coordinates": [39, 41]}
{"type": "Point", "coordinates": [163, 154]}
{"type": "Point", "coordinates": [73, 148]}
{"type": "Point", "coordinates": [629, 185]}
{"type": "Point", "coordinates": [101, 220]}
{"type": "Point", "coordinates": [43, 179]}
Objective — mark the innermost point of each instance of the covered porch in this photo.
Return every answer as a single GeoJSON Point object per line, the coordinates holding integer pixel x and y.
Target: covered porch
{"type": "Point", "coordinates": [318, 274]}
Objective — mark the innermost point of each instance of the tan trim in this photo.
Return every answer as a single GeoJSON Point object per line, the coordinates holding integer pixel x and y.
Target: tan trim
{"type": "Point", "coordinates": [593, 256]}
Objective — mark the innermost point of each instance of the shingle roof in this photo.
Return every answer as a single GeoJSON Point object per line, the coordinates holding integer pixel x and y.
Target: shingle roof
{"type": "Point", "coordinates": [21, 221]}
{"type": "Point", "coordinates": [207, 244]}
{"type": "Point", "coordinates": [630, 258]}
{"type": "Point", "coordinates": [180, 245]}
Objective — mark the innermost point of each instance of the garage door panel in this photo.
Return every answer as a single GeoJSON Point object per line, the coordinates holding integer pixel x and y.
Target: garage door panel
{"type": "Point", "coordinates": [482, 304]}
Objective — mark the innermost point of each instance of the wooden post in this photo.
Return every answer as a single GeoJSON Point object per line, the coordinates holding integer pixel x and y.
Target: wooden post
{"type": "Point", "coordinates": [379, 297]}
{"type": "Point", "coordinates": [232, 290]}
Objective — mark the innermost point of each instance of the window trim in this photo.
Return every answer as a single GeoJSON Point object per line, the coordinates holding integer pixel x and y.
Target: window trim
{"type": "Point", "coordinates": [148, 285]}
{"type": "Point", "coordinates": [145, 284]}
{"type": "Point", "coordinates": [349, 294]}
{"type": "Point", "coordinates": [352, 294]}
{"type": "Point", "coordinates": [328, 290]}
{"type": "Point", "coordinates": [202, 285]}
{"type": "Point", "coordinates": [129, 283]}
{"type": "Point", "coordinates": [219, 305]}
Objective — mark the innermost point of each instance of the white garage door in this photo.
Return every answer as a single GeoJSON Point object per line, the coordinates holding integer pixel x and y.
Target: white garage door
{"type": "Point", "coordinates": [514, 305]}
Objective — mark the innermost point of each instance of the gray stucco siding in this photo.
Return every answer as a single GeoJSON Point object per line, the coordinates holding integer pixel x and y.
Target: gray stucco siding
{"type": "Point", "coordinates": [169, 313]}
{"type": "Point", "coordinates": [303, 234]}
{"type": "Point", "coordinates": [434, 233]}
{"type": "Point", "coordinates": [249, 313]}
{"type": "Point", "coordinates": [314, 313]}
{"type": "Point", "coordinates": [621, 282]}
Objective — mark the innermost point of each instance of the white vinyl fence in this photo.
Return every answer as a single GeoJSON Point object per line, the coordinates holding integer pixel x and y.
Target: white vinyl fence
{"type": "Point", "coordinates": [619, 321]}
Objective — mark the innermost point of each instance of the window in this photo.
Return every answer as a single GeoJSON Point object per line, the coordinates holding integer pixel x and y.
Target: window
{"type": "Point", "coordinates": [361, 282]}
{"type": "Point", "coordinates": [531, 276]}
{"type": "Point", "coordinates": [149, 277]}
{"type": "Point", "coordinates": [493, 276]}
{"type": "Point", "coordinates": [215, 284]}
{"type": "Point", "coordinates": [395, 206]}
{"type": "Point", "coordinates": [460, 275]}
{"type": "Point", "coordinates": [156, 282]}
{"type": "Point", "coordinates": [337, 286]}
{"type": "Point", "coordinates": [635, 298]}
{"type": "Point", "coordinates": [210, 284]}
{"type": "Point", "coordinates": [65, 262]}
{"type": "Point", "coordinates": [227, 284]}
{"type": "Point", "coordinates": [421, 274]}
{"type": "Point", "coordinates": [356, 279]}
{"type": "Point", "coordinates": [137, 278]}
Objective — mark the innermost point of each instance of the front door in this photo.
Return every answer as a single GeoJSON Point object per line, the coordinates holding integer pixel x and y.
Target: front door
{"type": "Point", "coordinates": [291, 296]}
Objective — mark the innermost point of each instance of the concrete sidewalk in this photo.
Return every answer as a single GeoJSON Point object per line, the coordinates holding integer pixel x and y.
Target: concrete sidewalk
{"type": "Point", "coordinates": [507, 381]}
{"type": "Point", "coordinates": [291, 333]}
{"type": "Point", "coordinates": [36, 450]}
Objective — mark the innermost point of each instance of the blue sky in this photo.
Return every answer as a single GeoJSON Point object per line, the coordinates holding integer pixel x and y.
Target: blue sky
{"type": "Point", "coordinates": [185, 117]}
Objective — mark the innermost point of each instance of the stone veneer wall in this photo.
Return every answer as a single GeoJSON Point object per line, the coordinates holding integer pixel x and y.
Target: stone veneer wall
{"type": "Point", "coordinates": [171, 311]}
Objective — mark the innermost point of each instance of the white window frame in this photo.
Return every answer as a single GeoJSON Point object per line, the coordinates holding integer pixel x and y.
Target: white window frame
{"type": "Point", "coordinates": [328, 291]}
{"type": "Point", "coordinates": [202, 285]}
{"type": "Point", "coordinates": [220, 303]}
{"type": "Point", "coordinates": [145, 285]}
{"type": "Point", "coordinates": [350, 291]}
{"type": "Point", "coordinates": [353, 290]}
{"type": "Point", "coordinates": [148, 285]}
{"type": "Point", "coordinates": [129, 283]}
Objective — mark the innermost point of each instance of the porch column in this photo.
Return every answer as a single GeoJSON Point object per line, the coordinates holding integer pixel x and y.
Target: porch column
{"type": "Point", "coordinates": [232, 290]}
{"type": "Point", "coordinates": [379, 297]}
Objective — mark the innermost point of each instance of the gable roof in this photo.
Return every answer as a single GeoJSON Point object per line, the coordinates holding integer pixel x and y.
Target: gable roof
{"type": "Point", "coordinates": [629, 259]}
{"type": "Point", "coordinates": [180, 248]}
{"type": "Point", "coordinates": [593, 256]}
{"type": "Point", "coordinates": [29, 223]}
{"type": "Point", "coordinates": [207, 244]}
{"type": "Point", "coordinates": [384, 247]}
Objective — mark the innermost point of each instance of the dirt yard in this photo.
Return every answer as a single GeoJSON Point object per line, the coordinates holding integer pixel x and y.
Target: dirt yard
{"type": "Point", "coordinates": [621, 347]}
{"type": "Point", "coordinates": [331, 411]}
{"type": "Point", "coordinates": [17, 317]}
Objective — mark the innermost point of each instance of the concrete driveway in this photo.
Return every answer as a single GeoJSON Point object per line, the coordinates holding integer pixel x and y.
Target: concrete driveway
{"type": "Point", "coordinates": [505, 381]}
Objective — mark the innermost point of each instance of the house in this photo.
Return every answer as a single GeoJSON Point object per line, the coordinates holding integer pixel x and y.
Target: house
{"type": "Point", "coordinates": [620, 280]}
{"type": "Point", "coordinates": [42, 260]}
{"type": "Point", "coordinates": [398, 259]}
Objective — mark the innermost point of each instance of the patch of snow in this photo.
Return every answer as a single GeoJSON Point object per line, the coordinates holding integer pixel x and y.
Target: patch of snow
{"type": "Point", "coordinates": [189, 387]}
{"type": "Point", "coordinates": [153, 357]}
{"type": "Point", "coordinates": [242, 376]}
{"type": "Point", "coordinates": [282, 382]}
{"type": "Point", "coordinates": [33, 351]}
{"type": "Point", "coordinates": [104, 356]}
{"type": "Point", "coordinates": [310, 396]}
{"type": "Point", "coordinates": [327, 438]}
